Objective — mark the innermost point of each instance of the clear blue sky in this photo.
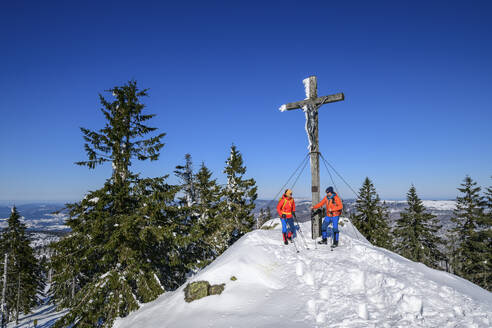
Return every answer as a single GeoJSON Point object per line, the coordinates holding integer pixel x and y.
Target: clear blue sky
{"type": "Point", "coordinates": [417, 78]}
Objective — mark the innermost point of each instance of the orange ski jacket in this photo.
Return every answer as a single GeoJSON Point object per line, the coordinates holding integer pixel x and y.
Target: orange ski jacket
{"type": "Point", "coordinates": [334, 205]}
{"type": "Point", "coordinates": [286, 206]}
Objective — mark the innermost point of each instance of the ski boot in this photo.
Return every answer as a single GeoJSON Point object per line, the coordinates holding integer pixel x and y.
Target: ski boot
{"type": "Point", "coordinates": [323, 241]}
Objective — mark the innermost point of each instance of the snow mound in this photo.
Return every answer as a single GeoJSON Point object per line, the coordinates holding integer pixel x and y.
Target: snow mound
{"type": "Point", "coordinates": [356, 285]}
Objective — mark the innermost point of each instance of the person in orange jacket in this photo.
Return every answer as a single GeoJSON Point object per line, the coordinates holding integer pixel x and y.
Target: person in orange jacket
{"type": "Point", "coordinates": [286, 209]}
{"type": "Point", "coordinates": [334, 208]}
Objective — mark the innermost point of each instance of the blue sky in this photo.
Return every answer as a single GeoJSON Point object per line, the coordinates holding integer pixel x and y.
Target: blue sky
{"type": "Point", "coordinates": [417, 78]}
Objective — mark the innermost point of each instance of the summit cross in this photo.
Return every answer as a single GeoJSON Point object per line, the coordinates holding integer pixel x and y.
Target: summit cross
{"type": "Point", "coordinates": [310, 107]}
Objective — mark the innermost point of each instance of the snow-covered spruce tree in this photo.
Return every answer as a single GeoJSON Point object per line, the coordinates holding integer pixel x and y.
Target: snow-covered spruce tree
{"type": "Point", "coordinates": [260, 218]}
{"type": "Point", "coordinates": [187, 178]}
{"type": "Point", "coordinates": [24, 276]}
{"type": "Point", "coordinates": [197, 204]}
{"type": "Point", "coordinates": [238, 195]}
{"type": "Point", "coordinates": [124, 244]}
{"type": "Point", "coordinates": [208, 194]}
{"type": "Point", "coordinates": [416, 233]}
{"type": "Point", "coordinates": [487, 236]}
{"type": "Point", "coordinates": [264, 215]}
{"type": "Point", "coordinates": [371, 217]}
{"type": "Point", "coordinates": [268, 214]}
{"type": "Point", "coordinates": [473, 250]}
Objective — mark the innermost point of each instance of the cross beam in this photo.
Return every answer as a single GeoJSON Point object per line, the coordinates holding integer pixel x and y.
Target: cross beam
{"type": "Point", "coordinates": [310, 106]}
{"type": "Point", "coordinates": [316, 102]}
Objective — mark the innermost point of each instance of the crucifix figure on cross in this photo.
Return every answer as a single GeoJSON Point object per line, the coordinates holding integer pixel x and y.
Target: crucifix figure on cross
{"type": "Point", "coordinates": [310, 106]}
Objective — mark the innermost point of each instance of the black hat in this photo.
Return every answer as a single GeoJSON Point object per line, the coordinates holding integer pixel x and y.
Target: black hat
{"type": "Point", "coordinates": [329, 189]}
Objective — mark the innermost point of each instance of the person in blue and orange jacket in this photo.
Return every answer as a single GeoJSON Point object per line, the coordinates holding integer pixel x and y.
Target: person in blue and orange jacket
{"type": "Point", "coordinates": [286, 209]}
{"type": "Point", "coordinates": [334, 208]}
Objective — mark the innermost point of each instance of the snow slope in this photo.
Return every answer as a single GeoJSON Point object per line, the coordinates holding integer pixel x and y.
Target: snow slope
{"type": "Point", "coordinates": [356, 285]}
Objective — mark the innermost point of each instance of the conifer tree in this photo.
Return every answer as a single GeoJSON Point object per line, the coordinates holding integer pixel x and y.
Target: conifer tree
{"type": "Point", "coordinates": [208, 207]}
{"type": "Point", "coordinates": [199, 200]}
{"type": "Point", "coordinates": [385, 237]}
{"type": "Point", "coordinates": [187, 178]}
{"type": "Point", "coordinates": [269, 214]}
{"type": "Point", "coordinates": [416, 232]}
{"type": "Point", "coordinates": [264, 216]}
{"type": "Point", "coordinates": [371, 217]}
{"type": "Point", "coordinates": [125, 241]}
{"type": "Point", "coordinates": [473, 231]}
{"type": "Point", "coordinates": [486, 235]}
{"type": "Point", "coordinates": [261, 218]}
{"type": "Point", "coordinates": [239, 195]}
{"type": "Point", "coordinates": [24, 276]}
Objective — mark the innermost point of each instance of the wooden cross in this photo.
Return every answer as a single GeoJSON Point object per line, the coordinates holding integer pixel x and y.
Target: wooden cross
{"type": "Point", "coordinates": [310, 106]}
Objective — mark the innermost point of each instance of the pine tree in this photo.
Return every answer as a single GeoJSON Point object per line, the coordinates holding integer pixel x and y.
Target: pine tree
{"type": "Point", "coordinates": [199, 200]}
{"type": "Point", "coordinates": [416, 233]}
{"type": "Point", "coordinates": [185, 174]}
{"type": "Point", "coordinates": [125, 241]}
{"type": "Point", "coordinates": [261, 218]}
{"type": "Point", "coordinates": [264, 216]}
{"type": "Point", "coordinates": [473, 231]}
{"type": "Point", "coordinates": [24, 276]}
{"type": "Point", "coordinates": [208, 208]}
{"type": "Point", "coordinates": [269, 214]}
{"type": "Point", "coordinates": [239, 195]}
{"type": "Point", "coordinates": [371, 217]}
{"type": "Point", "coordinates": [384, 238]}
{"type": "Point", "coordinates": [485, 234]}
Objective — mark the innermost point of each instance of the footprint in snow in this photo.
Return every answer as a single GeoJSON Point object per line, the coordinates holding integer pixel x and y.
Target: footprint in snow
{"type": "Point", "coordinates": [324, 293]}
{"type": "Point", "coordinates": [309, 279]}
{"type": "Point", "coordinates": [312, 307]}
{"type": "Point", "coordinates": [299, 268]}
{"type": "Point", "coordinates": [321, 317]}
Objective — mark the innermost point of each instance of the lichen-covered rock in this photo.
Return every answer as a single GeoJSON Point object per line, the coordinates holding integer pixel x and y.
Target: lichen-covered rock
{"type": "Point", "coordinates": [199, 289]}
{"type": "Point", "coordinates": [196, 290]}
{"type": "Point", "coordinates": [216, 289]}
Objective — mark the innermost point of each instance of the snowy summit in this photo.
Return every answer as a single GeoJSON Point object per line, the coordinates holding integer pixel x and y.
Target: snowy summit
{"type": "Point", "coordinates": [356, 285]}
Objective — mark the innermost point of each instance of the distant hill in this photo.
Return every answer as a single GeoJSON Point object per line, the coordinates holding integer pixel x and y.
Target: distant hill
{"type": "Point", "coordinates": [443, 209]}
{"type": "Point", "coordinates": [38, 216]}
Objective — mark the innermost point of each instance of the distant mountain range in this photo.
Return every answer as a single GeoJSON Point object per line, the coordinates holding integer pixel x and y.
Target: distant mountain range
{"type": "Point", "coordinates": [442, 209]}
{"type": "Point", "coordinates": [52, 216]}
{"type": "Point", "coordinates": [38, 216]}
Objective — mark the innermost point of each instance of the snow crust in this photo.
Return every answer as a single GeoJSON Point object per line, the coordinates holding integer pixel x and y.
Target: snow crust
{"type": "Point", "coordinates": [356, 285]}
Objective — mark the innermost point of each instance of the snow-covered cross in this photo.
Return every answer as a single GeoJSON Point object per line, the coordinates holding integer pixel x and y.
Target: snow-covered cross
{"type": "Point", "coordinates": [310, 106]}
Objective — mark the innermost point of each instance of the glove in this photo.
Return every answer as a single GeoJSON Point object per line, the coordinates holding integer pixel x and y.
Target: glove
{"type": "Point", "coordinates": [284, 216]}
{"type": "Point", "coordinates": [294, 214]}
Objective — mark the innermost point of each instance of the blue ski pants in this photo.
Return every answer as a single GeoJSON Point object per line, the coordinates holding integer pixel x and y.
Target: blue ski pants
{"type": "Point", "coordinates": [290, 228]}
{"type": "Point", "coordinates": [326, 222]}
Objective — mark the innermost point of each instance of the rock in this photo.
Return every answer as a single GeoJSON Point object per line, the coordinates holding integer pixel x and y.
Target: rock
{"type": "Point", "coordinates": [216, 289]}
{"type": "Point", "coordinates": [233, 278]}
{"type": "Point", "coordinates": [199, 289]}
{"type": "Point", "coordinates": [196, 290]}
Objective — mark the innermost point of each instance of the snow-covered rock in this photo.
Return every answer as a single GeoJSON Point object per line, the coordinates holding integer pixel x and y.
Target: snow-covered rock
{"type": "Point", "coordinates": [356, 285]}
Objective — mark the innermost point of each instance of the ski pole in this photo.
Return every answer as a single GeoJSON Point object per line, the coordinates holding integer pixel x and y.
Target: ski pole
{"type": "Point", "coordinates": [295, 245]}
{"type": "Point", "coordinates": [300, 231]}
